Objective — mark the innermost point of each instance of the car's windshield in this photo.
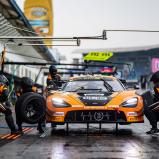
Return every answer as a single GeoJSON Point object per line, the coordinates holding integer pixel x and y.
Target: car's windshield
{"type": "Point", "coordinates": [99, 85]}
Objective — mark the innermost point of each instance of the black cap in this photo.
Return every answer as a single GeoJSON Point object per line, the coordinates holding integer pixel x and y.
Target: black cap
{"type": "Point", "coordinates": [52, 69]}
{"type": "Point", "coordinates": [26, 81]}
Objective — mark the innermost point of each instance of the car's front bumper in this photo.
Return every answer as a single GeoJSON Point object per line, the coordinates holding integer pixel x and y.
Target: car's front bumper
{"type": "Point", "coordinates": [93, 116]}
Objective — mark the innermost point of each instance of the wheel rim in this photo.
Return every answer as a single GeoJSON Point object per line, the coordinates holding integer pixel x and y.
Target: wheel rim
{"type": "Point", "coordinates": [34, 110]}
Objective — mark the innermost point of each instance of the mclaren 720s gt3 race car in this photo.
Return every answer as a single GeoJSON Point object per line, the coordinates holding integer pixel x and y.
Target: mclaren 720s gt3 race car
{"type": "Point", "coordinates": [94, 99]}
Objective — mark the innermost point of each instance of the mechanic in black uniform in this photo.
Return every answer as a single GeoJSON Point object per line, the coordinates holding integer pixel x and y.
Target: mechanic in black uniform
{"type": "Point", "coordinates": [54, 78]}
{"type": "Point", "coordinates": [5, 104]}
{"type": "Point", "coordinates": [27, 85]}
{"type": "Point", "coordinates": [152, 113]}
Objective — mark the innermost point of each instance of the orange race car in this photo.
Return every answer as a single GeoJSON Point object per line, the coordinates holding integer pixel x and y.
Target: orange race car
{"type": "Point", "coordinates": [94, 99]}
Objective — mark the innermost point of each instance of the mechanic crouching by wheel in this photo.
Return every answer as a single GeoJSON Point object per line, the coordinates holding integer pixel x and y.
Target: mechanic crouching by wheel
{"type": "Point", "coordinates": [5, 104]}
{"type": "Point", "coordinates": [152, 112]}
{"type": "Point", "coordinates": [27, 85]}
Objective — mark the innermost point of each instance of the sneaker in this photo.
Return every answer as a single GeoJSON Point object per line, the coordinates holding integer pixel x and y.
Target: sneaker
{"type": "Point", "coordinates": [153, 131]}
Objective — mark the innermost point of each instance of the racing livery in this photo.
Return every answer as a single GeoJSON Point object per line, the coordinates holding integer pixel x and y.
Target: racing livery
{"type": "Point", "coordinates": [94, 99]}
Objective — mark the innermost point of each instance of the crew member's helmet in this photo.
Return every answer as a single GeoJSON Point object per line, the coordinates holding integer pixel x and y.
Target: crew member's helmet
{"type": "Point", "coordinates": [27, 82]}
{"type": "Point", "coordinates": [4, 80]}
{"type": "Point", "coordinates": [52, 70]}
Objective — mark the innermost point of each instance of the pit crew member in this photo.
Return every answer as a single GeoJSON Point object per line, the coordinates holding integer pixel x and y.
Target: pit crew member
{"type": "Point", "coordinates": [5, 104]}
{"type": "Point", "coordinates": [152, 112]}
{"type": "Point", "coordinates": [27, 85]}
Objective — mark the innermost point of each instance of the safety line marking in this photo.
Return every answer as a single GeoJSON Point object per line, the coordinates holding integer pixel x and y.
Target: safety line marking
{"type": "Point", "coordinates": [5, 136]}
{"type": "Point", "coordinates": [9, 137]}
{"type": "Point", "coordinates": [15, 136]}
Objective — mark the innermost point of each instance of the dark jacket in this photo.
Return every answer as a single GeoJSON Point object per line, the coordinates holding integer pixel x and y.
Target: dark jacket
{"type": "Point", "coordinates": [156, 92]}
{"type": "Point", "coordinates": [54, 80]}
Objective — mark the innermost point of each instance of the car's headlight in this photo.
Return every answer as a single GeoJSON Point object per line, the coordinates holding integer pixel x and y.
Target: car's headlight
{"type": "Point", "coordinates": [58, 102]}
{"type": "Point", "coordinates": [130, 102]}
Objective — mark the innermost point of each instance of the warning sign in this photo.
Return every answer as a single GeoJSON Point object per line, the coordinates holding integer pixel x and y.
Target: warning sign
{"type": "Point", "coordinates": [98, 56]}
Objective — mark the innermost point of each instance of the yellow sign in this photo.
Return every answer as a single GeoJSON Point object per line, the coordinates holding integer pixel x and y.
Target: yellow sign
{"type": "Point", "coordinates": [40, 16]}
{"type": "Point", "coordinates": [98, 56]}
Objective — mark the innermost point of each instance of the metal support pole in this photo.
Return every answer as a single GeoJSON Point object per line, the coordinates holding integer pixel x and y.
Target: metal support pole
{"type": "Point", "coordinates": [2, 62]}
{"type": "Point", "coordinates": [116, 119]}
{"type": "Point", "coordinates": [67, 129]}
{"type": "Point", "coordinates": [100, 127]}
{"type": "Point", "coordinates": [87, 128]}
{"type": "Point", "coordinates": [116, 128]}
{"type": "Point", "coordinates": [3, 58]}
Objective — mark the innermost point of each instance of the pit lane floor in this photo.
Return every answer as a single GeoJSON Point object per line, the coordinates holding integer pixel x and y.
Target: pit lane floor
{"type": "Point", "coordinates": [130, 142]}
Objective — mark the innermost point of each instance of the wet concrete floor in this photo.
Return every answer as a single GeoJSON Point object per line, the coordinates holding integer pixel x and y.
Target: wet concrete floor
{"type": "Point", "coordinates": [130, 142]}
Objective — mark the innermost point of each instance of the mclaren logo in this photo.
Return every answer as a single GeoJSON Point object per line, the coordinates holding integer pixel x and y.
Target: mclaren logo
{"type": "Point", "coordinates": [97, 116]}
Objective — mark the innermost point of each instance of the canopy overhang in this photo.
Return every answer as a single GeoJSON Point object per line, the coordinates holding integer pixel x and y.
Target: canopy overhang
{"type": "Point", "coordinates": [12, 18]}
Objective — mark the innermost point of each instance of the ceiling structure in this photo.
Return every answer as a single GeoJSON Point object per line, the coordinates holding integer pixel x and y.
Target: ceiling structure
{"type": "Point", "coordinates": [14, 23]}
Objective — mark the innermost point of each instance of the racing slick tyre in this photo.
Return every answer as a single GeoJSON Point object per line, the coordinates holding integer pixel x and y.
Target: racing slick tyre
{"type": "Point", "coordinates": [18, 106]}
{"type": "Point", "coordinates": [31, 107]}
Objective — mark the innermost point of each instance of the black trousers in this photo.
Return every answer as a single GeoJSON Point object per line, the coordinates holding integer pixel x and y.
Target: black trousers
{"type": "Point", "coordinates": [152, 116]}
{"type": "Point", "coordinates": [6, 110]}
{"type": "Point", "coordinates": [19, 121]}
